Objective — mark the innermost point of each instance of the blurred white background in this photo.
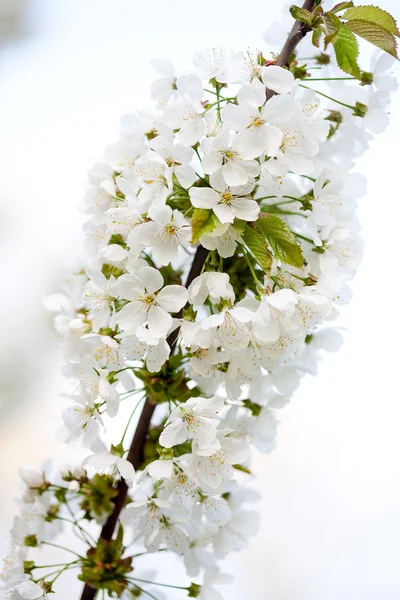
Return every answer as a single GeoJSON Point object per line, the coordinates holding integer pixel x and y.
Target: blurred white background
{"type": "Point", "coordinates": [331, 489]}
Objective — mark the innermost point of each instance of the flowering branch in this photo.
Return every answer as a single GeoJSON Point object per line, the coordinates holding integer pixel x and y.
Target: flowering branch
{"type": "Point", "coordinates": [243, 167]}
{"type": "Point", "coordinates": [135, 455]}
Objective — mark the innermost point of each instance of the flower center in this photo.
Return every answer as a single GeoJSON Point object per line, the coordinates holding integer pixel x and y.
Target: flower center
{"type": "Point", "coordinates": [170, 229]}
{"type": "Point", "coordinates": [148, 299]}
{"type": "Point", "coordinates": [226, 197]}
{"type": "Point", "coordinates": [258, 122]}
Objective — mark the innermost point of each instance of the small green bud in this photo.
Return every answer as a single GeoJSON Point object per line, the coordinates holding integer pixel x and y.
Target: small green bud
{"type": "Point", "coordinates": [29, 565]}
{"type": "Point", "coordinates": [47, 587]}
{"type": "Point", "coordinates": [366, 78]}
{"type": "Point", "coordinates": [52, 512]}
{"type": "Point", "coordinates": [151, 134]}
{"type": "Point", "coordinates": [194, 590]}
{"type": "Point", "coordinates": [117, 450]}
{"type": "Point", "coordinates": [61, 495]}
{"type": "Point", "coordinates": [31, 541]}
{"type": "Point", "coordinates": [360, 109]}
{"type": "Point", "coordinates": [335, 116]}
{"type": "Point", "coordinates": [242, 468]}
{"type": "Point", "coordinates": [323, 59]}
{"type": "Point", "coordinates": [255, 408]}
{"type": "Point", "coordinates": [319, 249]}
{"type": "Point", "coordinates": [189, 314]}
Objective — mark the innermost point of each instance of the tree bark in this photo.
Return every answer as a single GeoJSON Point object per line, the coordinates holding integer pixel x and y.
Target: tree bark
{"type": "Point", "coordinates": [298, 32]}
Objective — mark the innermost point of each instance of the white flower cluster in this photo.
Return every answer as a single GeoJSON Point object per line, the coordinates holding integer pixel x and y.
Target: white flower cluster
{"type": "Point", "coordinates": [266, 188]}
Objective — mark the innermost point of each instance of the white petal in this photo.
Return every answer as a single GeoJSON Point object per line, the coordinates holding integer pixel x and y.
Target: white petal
{"type": "Point", "coordinates": [151, 278]}
{"type": "Point", "coordinates": [213, 321]}
{"type": "Point", "coordinates": [172, 298]}
{"type": "Point", "coordinates": [161, 469]}
{"type": "Point", "coordinates": [236, 117]}
{"type": "Point", "coordinates": [159, 321]}
{"type": "Point", "coordinates": [244, 315]}
{"type": "Point", "coordinates": [209, 407]}
{"type": "Point", "coordinates": [30, 590]}
{"type": "Point", "coordinates": [114, 253]}
{"type": "Point", "coordinates": [191, 86]}
{"type": "Point", "coordinates": [174, 433]}
{"type": "Point", "coordinates": [126, 469]}
{"type": "Point", "coordinates": [245, 209]}
{"type": "Point", "coordinates": [203, 197]}
{"type": "Point", "coordinates": [185, 175]}
{"type": "Point", "coordinates": [212, 162]}
{"type": "Point", "coordinates": [234, 174]}
{"type": "Point", "coordinates": [224, 212]}
{"type": "Point", "coordinates": [157, 355]}
{"type": "Point", "coordinates": [273, 140]}
{"type": "Point", "coordinates": [102, 460]}
{"type": "Point", "coordinates": [192, 133]}
{"type": "Point", "coordinates": [278, 79]}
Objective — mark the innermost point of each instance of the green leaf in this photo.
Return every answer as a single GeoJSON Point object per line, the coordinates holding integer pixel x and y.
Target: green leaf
{"type": "Point", "coordinates": [258, 247]}
{"type": "Point", "coordinates": [203, 221]}
{"type": "Point", "coordinates": [316, 36]}
{"type": "Point", "coordinates": [341, 6]}
{"type": "Point", "coordinates": [333, 25]}
{"type": "Point", "coordinates": [346, 51]}
{"type": "Point", "coordinates": [281, 238]}
{"type": "Point", "coordinates": [375, 34]}
{"type": "Point", "coordinates": [239, 225]}
{"type": "Point", "coordinates": [300, 14]}
{"type": "Point", "coordinates": [374, 15]}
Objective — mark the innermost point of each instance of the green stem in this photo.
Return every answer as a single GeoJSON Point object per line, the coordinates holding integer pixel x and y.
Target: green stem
{"type": "Point", "coordinates": [329, 97]}
{"type": "Point", "coordinates": [302, 237]}
{"type": "Point", "coordinates": [257, 281]}
{"type": "Point", "coordinates": [289, 212]}
{"type": "Point", "coordinates": [175, 587]}
{"type": "Point", "coordinates": [265, 198]}
{"type": "Point", "coordinates": [202, 179]}
{"type": "Point", "coordinates": [283, 202]}
{"type": "Point", "coordinates": [82, 537]}
{"type": "Point", "coordinates": [198, 154]}
{"type": "Point", "coordinates": [145, 592]}
{"type": "Point", "coordinates": [63, 548]}
{"type": "Point", "coordinates": [52, 566]}
{"type": "Point", "coordinates": [305, 176]}
{"type": "Point", "coordinates": [129, 421]}
{"type": "Point", "coordinates": [332, 79]}
{"type": "Point", "coordinates": [188, 211]}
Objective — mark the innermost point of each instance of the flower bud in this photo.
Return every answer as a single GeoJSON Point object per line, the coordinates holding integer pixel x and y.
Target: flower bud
{"type": "Point", "coordinates": [34, 478]}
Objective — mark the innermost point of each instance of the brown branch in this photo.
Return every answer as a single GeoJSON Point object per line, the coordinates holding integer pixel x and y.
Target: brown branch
{"type": "Point", "coordinates": [135, 454]}
{"type": "Point", "coordinates": [298, 32]}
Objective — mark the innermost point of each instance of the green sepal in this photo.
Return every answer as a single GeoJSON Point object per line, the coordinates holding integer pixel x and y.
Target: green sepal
{"type": "Point", "coordinates": [360, 109]}
{"type": "Point", "coordinates": [194, 590]}
{"type": "Point", "coordinates": [255, 408]}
